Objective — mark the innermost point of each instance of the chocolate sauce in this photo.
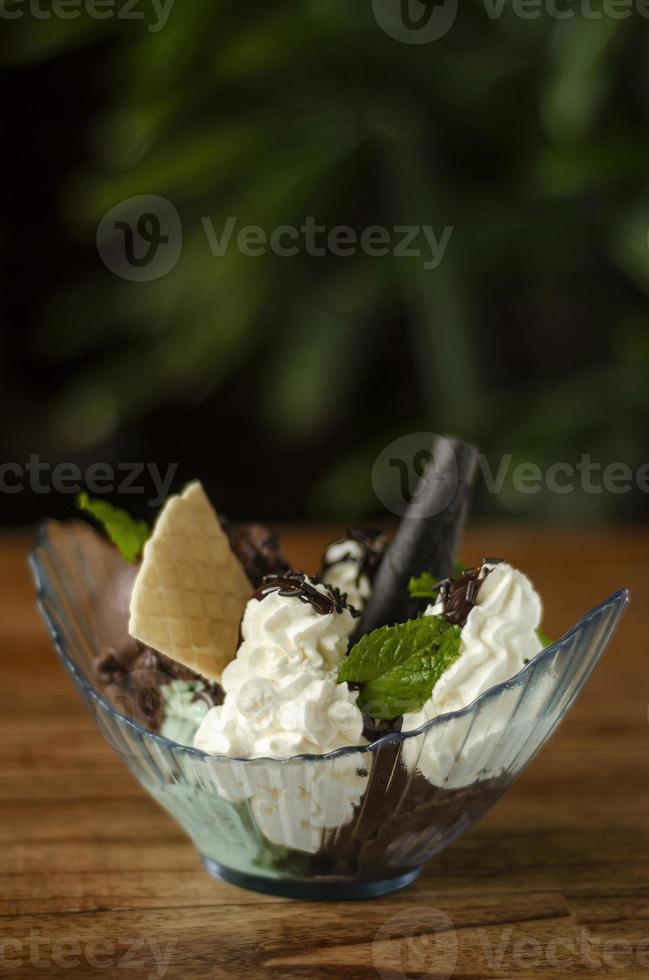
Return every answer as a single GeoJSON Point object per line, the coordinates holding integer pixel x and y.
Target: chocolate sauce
{"type": "Point", "coordinates": [375, 728]}
{"type": "Point", "coordinates": [258, 549]}
{"type": "Point", "coordinates": [296, 585]}
{"type": "Point", "coordinates": [459, 595]}
{"type": "Point", "coordinates": [400, 820]}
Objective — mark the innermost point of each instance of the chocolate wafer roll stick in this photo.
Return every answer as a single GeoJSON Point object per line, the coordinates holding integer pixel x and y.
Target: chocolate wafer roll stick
{"type": "Point", "coordinates": [428, 534]}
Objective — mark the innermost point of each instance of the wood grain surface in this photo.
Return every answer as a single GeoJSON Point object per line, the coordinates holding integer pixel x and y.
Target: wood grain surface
{"type": "Point", "coordinates": [95, 879]}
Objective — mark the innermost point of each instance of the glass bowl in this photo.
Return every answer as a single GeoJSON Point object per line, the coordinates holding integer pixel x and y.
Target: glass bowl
{"type": "Point", "coordinates": [355, 823]}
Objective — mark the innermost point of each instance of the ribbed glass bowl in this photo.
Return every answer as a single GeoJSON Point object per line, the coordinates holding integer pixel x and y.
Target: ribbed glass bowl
{"type": "Point", "coordinates": [355, 823]}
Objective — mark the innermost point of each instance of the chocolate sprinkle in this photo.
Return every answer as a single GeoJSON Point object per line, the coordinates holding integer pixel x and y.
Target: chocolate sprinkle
{"type": "Point", "coordinates": [296, 585]}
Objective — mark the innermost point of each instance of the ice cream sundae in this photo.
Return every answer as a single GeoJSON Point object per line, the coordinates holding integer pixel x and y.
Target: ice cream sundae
{"type": "Point", "coordinates": [330, 714]}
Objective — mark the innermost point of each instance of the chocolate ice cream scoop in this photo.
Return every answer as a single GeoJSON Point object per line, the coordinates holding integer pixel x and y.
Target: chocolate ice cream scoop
{"type": "Point", "coordinates": [258, 549]}
{"type": "Point", "coordinates": [125, 666]}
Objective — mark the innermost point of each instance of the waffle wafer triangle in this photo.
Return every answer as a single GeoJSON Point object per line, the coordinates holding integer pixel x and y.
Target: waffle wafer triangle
{"type": "Point", "coordinates": [191, 591]}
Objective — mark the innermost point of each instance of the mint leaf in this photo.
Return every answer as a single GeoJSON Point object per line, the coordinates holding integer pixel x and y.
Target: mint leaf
{"type": "Point", "coordinates": [424, 586]}
{"type": "Point", "coordinates": [407, 688]}
{"type": "Point", "coordinates": [126, 533]}
{"type": "Point", "coordinates": [398, 666]}
{"type": "Point", "coordinates": [544, 639]}
{"type": "Point", "coordinates": [387, 647]}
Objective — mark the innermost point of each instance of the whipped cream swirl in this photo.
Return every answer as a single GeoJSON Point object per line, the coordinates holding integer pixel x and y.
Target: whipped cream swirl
{"type": "Point", "coordinates": [343, 570]}
{"type": "Point", "coordinates": [282, 698]}
{"type": "Point", "coordinates": [499, 638]}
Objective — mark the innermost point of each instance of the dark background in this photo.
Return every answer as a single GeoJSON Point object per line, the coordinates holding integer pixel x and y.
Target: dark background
{"type": "Point", "coordinates": [275, 380]}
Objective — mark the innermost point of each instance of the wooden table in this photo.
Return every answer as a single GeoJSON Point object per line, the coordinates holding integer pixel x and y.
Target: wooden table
{"type": "Point", "coordinates": [97, 880]}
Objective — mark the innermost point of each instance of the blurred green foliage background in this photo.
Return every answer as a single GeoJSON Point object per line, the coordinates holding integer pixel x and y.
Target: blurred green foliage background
{"type": "Point", "coordinates": [279, 380]}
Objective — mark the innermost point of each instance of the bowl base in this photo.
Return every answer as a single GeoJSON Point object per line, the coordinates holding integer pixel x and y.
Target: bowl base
{"type": "Point", "coordinates": [312, 890]}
